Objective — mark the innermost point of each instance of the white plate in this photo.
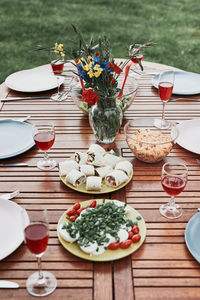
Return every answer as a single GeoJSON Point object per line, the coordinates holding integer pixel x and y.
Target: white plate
{"type": "Point", "coordinates": [186, 83]}
{"type": "Point", "coordinates": [33, 80]}
{"type": "Point", "coordinates": [189, 135]}
{"type": "Point", "coordinates": [16, 138]}
{"type": "Point", "coordinates": [192, 236]}
{"type": "Point", "coordinates": [11, 227]}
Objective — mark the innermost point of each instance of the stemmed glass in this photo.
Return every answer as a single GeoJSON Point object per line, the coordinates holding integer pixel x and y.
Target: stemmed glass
{"type": "Point", "coordinates": [165, 87]}
{"type": "Point", "coordinates": [40, 283]}
{"type": "Point", "coordinates": [173, 180]}
{"type": "Point", "coordinates": [44, 137]}
{"type": "Point", "coordinates": [57, 65]}
{"type": "Point", "coordinates": [138, 56]}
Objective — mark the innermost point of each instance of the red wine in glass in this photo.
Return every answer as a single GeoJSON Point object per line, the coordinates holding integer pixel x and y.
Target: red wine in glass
{"type": "Point", "coordinates": [139, 56]}
{"type": "Point", "coordinates": [165, 90]}
{"type": "Point", "coordinates": [44, 140]}
{"type": "Point", "coordinates": [173, 185]}
{"type": "Point", "coordinates": [36, 236]}
{"type": "Point", "coordinates": [57, 67]}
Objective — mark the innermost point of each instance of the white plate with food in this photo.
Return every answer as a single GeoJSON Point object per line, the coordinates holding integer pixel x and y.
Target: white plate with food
{"type": "Point", "coordinates": [96, 171]}
{"type": "Point", "coordinates": [185, 83]}
{"type": "Point", "coordinates": [189, 135]}
{"type": "Point", "coordinates": [89, 232]}
{"type": "Point", "coordinates": [33, 80]}
{"type": "Point", "coordinates": [11, 231]}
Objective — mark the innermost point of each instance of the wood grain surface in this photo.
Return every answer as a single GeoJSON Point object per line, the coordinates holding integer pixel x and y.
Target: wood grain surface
{"type": "Point", "coordinates": [163, 267]}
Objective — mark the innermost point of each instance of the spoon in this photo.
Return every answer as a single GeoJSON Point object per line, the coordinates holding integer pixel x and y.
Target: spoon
{"type": "Point", "coordinates": [125, 77]}
{"type": "Point", "coordinates": [9, 196]}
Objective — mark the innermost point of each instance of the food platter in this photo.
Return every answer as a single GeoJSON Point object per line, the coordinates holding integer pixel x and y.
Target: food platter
{"type": "Point", "coordinates": [105, 189]}
{"type": "Point", "coordinates": [108, 255]}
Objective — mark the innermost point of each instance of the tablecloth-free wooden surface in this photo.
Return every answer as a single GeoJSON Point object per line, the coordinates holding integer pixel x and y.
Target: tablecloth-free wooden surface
{"type": "Point", "coordinates": [163, 267]}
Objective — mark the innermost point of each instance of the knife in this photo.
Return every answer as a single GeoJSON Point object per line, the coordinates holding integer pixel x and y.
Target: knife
{"type": "Point", "coordinates": [5, 284]}
{"type": "Point", "coordinates": [24, 98]}
{"type": "Point", "coordinates": [12, 164]}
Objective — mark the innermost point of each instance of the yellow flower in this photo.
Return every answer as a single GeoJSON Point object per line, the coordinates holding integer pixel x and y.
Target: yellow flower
{"type": "Point", "coordinates": [89, 57]}
{"type": "Point", "coordinates": [86, 67]}
{"type": "Point", "coordinates": [91, 64]}
{"type": "Point", "coordinates": [90, 73]}
{"type": "Point", "coordinates": [96, 67]}
{"type": "Point", "coordinates": [56, 51]}
{"type": "Point", "coordinates": [83, 59]}
{"type": "Point", "coordinates": [62, 54]}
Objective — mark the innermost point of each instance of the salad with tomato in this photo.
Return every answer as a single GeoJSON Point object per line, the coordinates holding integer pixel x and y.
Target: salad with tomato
{"type": "Point", "coordinates": [101, 226]}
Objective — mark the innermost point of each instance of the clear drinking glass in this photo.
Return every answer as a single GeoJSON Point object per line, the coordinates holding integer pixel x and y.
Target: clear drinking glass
{"type": "Point", "coordinates": [44, 137]}
{"type": "Point", "coordinates": [138, 56]}
{"type": "Point", "coordinates": [173, 180]}
{"type": "Point", "coordinates": [165, 88]}
{"type": "Point", "coordinates": [57, 65]}
{"type": "Point", "coordinates": [40, 283]}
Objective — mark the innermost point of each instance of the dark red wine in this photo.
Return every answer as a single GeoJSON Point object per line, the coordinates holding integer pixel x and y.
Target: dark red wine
{"type": "Point", "coordinates": [57, 67]}
{"type": "Point", "coordinates": [173, 185]}
{"type": "Point", "coordinates": [36, 236]}
{"type": "Point", "coordinates": [165, 90]}
{"type": "Point", "coordinates": [139, 56]}
{"type": "Point", "coordinates": [44, 140]}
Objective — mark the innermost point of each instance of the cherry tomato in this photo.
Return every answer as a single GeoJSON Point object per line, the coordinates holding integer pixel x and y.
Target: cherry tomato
{"type": "Point", "coordinates": [125, 244]}
{"type": "Point", "coordinates": [73, 218]}
{"type": "Point", "coordinates": [135, 229]}
{"type": "Point", "coordinates": [130, 235]}
{"type": "Point", "coordinates": [78, 212]}
{"type": "Point", "coordinates": [113, 246]}
{"type": "Point", "coordinates": [77, 206]}
{"type": "Point", "coordinates": [93, 204]}
{"type": "Point", "coordinates": [136, 238]}
{"type": "Point", "coordinates": [71, 212]}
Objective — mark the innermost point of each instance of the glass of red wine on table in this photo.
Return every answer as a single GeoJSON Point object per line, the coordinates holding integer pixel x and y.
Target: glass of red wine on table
{"type": "Point", "coordinates": [165, 88]}
{"type": "Point", "coordinates": [44, 137]}
{"type": "Point", "coordinates": [173, 180]}
{"type": "Point", "coordinates": [57, 66]}
{"type": "Point", "coordinates": [36, 234]}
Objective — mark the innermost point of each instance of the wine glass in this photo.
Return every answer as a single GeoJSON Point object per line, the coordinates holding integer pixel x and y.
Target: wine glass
{"type": "Point", "coordinates": [57, 65]}
{"type": "Point", "coordinates": [173, 180]}
{"type": "Point", "coordinates": [40, 283]}
{"type": "Point", "coordinates": [165, 87]}
{"type": "Point", "coordinates": [44, 137]}
{"type": "Point", "coordinates": [137, 56]}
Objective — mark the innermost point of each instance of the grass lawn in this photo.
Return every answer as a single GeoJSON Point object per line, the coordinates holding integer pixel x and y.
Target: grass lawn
{"type": "Point", "coordinates": [172, 24]}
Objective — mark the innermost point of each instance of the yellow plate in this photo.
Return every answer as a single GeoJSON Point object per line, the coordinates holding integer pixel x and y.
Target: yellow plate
{"type": "Point", "coordinates": [108, 255]}
{"type": "Point", "coordinates": [105, 188]}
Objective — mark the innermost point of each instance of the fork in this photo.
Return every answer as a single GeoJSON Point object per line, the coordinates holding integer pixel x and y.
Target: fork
{"type": "Point", "coordinates": [9, 196]}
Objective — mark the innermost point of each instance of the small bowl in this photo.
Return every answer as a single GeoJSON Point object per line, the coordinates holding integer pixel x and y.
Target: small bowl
{"type": "Point", "coordinates": [149, 143]}
{"type": "Point", "coordinates": [124, 101]}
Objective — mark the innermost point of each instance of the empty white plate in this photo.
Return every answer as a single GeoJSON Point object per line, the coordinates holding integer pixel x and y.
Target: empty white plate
{"type": "Point", "coordinates": [33, 80]}
{"type": "Point", "coordinates": [186, 83]}
{"type": "Point", "coordinates": [11, 227]}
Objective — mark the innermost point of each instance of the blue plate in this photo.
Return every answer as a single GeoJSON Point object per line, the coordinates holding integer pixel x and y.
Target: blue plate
{"type": "Point", "coordinates": [185, 83]}
{"type": "Point", "coordinates": [192, 236]}
{"type": "Point", "coordinates": [15, 138]}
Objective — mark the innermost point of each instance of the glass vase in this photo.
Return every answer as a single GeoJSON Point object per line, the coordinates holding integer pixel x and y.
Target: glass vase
{"type": "Point", "coordinates": [105, 119]}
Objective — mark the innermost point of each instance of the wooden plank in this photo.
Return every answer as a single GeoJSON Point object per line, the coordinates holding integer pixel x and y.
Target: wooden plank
{"type": "Point", "coordinates": [103, 281]}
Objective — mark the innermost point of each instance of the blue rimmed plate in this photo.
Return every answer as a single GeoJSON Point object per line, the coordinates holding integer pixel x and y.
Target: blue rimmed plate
{"type": "Point", "coordinates": [16, 138]}
{"type": "Point", "coordinates": [192, 236]}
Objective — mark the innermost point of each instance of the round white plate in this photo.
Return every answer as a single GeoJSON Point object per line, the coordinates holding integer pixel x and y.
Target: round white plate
{"type": "Point", "coordinates": [189, 135]}
{"type": "Point", "coordinates": [192, 236]}
{"type": "Point", "coordinates": [33, 80]}
{"type": "Point", "coordinates": [11, 227]}
{"type": "Point", "coordinates": [186, 83]}
{"type": "Point", "coordinates": [16, 138]}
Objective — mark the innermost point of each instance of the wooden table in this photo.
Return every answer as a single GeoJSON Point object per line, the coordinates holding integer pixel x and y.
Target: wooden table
{"type": "Point", "coordinates": [163, 267]}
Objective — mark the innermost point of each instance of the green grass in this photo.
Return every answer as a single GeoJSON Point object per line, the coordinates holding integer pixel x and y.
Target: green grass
{"type": "Point", "coordinates": [172, 24]}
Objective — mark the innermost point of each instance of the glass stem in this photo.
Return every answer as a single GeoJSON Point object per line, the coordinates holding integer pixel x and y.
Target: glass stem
{"type": "Point", "coordinates": [46, 157]}
{"type": "Point", "coordinates": [172, 201]}
{"type": "Point", "coordinates": [40, 268]}
{"type": "Point", "coordinates": [58, 84]}
{"type": "Point", "coordinates": [163, 111]}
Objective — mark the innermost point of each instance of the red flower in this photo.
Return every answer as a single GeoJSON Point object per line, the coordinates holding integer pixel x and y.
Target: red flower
{"type": "Point", "coordinates": [90, 96]}
{"type": "Point", "coordinates": [97, 54]}
{"type": "Point", "coordinates": [116, 69]}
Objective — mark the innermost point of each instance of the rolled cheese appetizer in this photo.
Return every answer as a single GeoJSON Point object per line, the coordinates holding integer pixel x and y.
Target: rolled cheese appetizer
{"type": "Point", "coordinates": [75, 177]}
{"type": "Point", "coordinates": [93, 183]}
{"type": "Point", "coordinates": [80, 158]}
{"type": "Point", "coordinates": [125, 166]}
{"type": "Point", "coordinates": [95, 158]}
{"type": "Point", "coordinates": [97, 149]}
{"type": "Point", "coordinates": [88, 170]}
{"type": "Point", "coordinates": [66, 166]}
{"type": "Point", "coordinates": [111, 160]}
{"type": "Point", "coordinates": [115, 178]}
{"type": "Point", "coordinates": [103, 171]}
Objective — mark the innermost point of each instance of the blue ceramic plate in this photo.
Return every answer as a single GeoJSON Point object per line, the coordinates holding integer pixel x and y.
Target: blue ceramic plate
{"type": "Point", "coordinates": [16, 138]}
{"type": "Point", "coordinates": [192, 236]}
{"type": "Point", "coordinates": [186, 83]}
